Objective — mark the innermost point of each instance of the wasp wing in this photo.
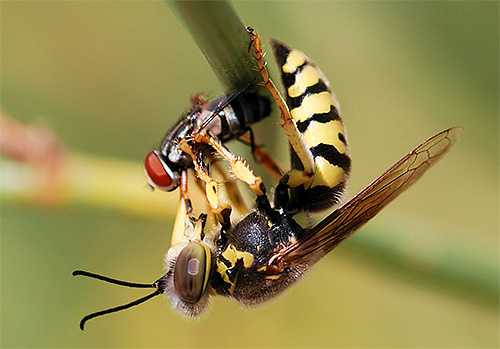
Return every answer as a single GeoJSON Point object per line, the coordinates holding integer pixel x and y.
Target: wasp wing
{"type": "Point", "coordinates": [349, 217]}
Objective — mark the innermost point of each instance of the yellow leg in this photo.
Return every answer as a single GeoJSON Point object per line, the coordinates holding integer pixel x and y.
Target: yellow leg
{"type": "Point", "coordinates": [264, 158]}
{"type": "Point", "coordinates": [237, 165]}
{"type": "Point", "coordinates": [221, 211]}
{"type": "Point", "coordinates": [232, 190]}
{"type": "Point", "coordinates": [186, 226]}
{"type": "Point", "coordinates": [295, 177]}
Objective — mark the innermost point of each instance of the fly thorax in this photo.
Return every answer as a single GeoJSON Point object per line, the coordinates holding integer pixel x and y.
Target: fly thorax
{"type": "Point", "coordinates": [214, 127]}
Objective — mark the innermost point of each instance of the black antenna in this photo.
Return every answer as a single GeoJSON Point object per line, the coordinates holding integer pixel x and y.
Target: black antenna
{"type": "Point", "coordinates": [113, 281]}
{"type": "Point", "coordinates": [158, 284]}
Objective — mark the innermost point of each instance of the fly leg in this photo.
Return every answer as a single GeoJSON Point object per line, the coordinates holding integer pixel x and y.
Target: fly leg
{"type": "Point", "coordinates": [221, 211]}
{"type": "Point", "coordinates": [186, 226]}
{"type": "Point", "coordinates": [239, 168]}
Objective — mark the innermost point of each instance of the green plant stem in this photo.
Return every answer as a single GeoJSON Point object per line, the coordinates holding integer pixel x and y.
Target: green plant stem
{"type": "Point", "coordinates": [221, 37]}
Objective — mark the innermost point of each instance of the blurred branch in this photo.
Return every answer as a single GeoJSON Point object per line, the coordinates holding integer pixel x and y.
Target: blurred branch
{"type": "Point", "coordinates": [36, 148]}
{"type": "Point", "coordinates": [35, 167]}
{"type": "Point", "coordinates": [414, 251]}
{"type": "Point", "coordinates": [85, 180]}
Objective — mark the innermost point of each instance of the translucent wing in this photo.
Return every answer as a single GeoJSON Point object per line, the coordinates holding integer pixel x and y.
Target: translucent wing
{"type": "Point", "coordinates": [349, 217]}
{"type": "Point", "coordinates": [219, 104]}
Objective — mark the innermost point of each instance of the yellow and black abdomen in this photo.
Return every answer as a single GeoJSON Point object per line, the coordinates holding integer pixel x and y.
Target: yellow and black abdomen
{"type": "Point", "coordinates": [315, 110]}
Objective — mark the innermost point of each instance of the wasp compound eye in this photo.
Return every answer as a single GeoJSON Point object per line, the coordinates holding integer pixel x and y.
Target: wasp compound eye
{"type": "Point", "coordinates": [159, 174]}
{"type": "Point", "coordinates": [190, 272]}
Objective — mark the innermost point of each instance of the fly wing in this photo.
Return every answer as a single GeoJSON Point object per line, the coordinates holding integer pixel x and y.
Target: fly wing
{"type": "Point", "coordinates": [219, 104]}
{"type": "Point", "coordinates": [349, 217]}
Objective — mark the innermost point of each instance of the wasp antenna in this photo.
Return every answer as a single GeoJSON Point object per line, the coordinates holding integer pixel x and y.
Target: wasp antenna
{"type": "Point", "coordinates": [113, 281]}
{"type": "Point", "coordinates": [121, 307]}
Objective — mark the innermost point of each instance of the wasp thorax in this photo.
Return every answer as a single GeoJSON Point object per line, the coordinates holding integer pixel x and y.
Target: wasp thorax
{"type": "Point", "coordinates": [190, 271]}
{"type": "Point", "coordinates": [159, 174]}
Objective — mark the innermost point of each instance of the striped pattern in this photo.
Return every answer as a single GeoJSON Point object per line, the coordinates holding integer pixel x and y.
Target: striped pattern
{"type": "Point", "coordinates": [315, 110]}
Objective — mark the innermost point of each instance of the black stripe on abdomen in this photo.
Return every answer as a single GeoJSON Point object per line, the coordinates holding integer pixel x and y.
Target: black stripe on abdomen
{"type": "Point", "coordinates": [332, 155]}
{"type": "Point", "coordinates": [320, 86]}
{"type": "Point", "coordinates": [323, 118]}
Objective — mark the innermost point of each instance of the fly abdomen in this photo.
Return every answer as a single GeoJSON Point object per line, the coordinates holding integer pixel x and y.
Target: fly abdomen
{"type": "Point", "coordinates": [241, 113]}
{"type": "Point", "coordinates": [316, 112]}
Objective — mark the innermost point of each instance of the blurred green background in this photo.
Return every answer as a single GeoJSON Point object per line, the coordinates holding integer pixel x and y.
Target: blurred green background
{"type": "Point", "coordinates": [111, 77]}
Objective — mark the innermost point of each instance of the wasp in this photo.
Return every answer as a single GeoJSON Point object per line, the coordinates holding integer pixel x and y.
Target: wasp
{"type": "Point", "coordinates": [267, 251]}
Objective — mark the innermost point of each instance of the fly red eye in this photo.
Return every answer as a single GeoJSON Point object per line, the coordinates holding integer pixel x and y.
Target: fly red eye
{"type": "Point", "coordinates": [158, 173]}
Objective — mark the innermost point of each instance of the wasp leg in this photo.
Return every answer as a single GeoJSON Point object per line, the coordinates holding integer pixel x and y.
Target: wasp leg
{"type": "Point", "coordinates": [221, 211]}
{"type": "Point", "coordinates": [294, 177]}
{"type": "Point", "coordinates": [239, 168]}
{"type": "Point", "coordinates": [232, 190]}
{"type": "Point", "coordinates": [262, 157]}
